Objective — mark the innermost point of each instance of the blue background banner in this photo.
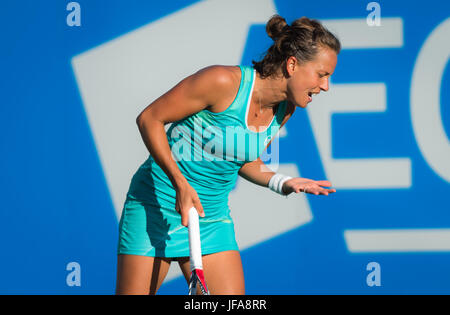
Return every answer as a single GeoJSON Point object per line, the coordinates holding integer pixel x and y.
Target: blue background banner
{"type": "Point", "coordinates": [69, 143]}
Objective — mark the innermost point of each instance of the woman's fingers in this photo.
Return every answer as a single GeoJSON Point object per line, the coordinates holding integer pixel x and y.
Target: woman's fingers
{"type": "Point", "coordinates": [324, 183]}
{"type": "Point", "coordinates": [309, 186]}
{"type": "Point", "coordinates": [184, 218]}
{"type": "Point", "coordinates": [327, 191]}
{"type": "Point", "coordinates": [198, 206]}
{"type": "Point", "coordinates": [185, 213]}
{"type": "Point", "coordinates": [314, 190]}
{"type": "Point", "coordinates": [187, 198]}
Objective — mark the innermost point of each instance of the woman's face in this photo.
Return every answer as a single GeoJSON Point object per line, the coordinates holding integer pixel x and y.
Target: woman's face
{"type": "Point", "coordinates": [311, 77]}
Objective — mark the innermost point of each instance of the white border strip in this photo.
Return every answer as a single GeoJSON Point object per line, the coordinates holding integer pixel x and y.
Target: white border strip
{"type": "Point", "coordinates": [404, 240]}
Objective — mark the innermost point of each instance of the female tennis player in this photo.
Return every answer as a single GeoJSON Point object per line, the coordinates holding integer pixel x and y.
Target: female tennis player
{"type": "Point", "coordinates": [185, 171]}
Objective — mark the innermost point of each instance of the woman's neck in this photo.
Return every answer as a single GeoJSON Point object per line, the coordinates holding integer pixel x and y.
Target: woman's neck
{"type": "Point", "coordinates": [269, 92]}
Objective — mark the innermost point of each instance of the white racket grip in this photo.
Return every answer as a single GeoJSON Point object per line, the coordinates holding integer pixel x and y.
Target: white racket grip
{"type": "Point", "coordinates": [195, 250]}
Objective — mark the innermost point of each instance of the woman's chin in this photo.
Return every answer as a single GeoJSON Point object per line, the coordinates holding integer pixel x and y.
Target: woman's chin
{"type": "Point", "coordinates": [302, 103]}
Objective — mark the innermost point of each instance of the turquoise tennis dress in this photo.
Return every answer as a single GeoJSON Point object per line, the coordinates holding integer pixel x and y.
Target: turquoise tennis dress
{"type": "Point", "coordinates": [209, 149]}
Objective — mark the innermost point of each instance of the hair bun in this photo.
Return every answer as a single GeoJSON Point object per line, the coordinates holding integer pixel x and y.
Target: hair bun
{"type": "Point", "coordinates": [276, 26]}
{"type": "Point", "coordinates": [302, 39]}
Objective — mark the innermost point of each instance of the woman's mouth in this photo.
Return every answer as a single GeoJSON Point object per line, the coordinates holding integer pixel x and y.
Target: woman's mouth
{"type": "Point", "coordinates": [310, 97]}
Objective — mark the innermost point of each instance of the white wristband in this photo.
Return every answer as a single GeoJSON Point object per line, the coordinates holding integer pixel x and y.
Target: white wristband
{"type": "Point", "coordinates": [277, 181]}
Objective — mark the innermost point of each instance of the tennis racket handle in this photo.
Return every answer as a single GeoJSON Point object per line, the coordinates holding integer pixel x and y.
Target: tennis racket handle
{"type": "Point", "coordinates": [195, 250]}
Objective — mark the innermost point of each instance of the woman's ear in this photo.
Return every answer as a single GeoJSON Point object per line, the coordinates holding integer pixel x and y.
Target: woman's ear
{"type": "Point", "coordinates": [291, 65]}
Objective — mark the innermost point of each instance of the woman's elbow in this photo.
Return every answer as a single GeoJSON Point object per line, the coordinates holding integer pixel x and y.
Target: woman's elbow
{"type": "Point", "coordinates": [139, 122]}
{"type": "Point", "coordinates": [139, 119]}
{"type": "Point", "coordinates": [142, 122]}
{"type": "Point", "coordinates": [143, 117]}
{"type": "Point", "coordinates": [146, 121]}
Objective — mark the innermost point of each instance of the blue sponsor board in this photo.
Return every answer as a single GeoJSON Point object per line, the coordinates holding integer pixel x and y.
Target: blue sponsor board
{"type": "Point", "coordinates": [377, 235]}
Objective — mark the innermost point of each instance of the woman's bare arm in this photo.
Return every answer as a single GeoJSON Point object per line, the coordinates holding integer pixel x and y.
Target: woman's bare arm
{"type": "Point", "coordinates": [188, 97]}
{"type": "Point", "coordinates": [256, 171]}
{"type": "Point", "coordinates": [205, 88]}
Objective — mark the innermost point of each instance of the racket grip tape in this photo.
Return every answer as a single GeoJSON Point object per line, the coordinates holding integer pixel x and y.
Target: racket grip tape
{"type": "Point", "coordinates": [195, 251]}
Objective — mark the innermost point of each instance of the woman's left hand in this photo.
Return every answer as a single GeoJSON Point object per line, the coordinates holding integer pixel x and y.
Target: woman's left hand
{"type": "Point", "coordinates": [309, 186]}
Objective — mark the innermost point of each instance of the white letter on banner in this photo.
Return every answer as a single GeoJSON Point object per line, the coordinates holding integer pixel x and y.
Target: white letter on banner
{"type": "Point", "coordinates": [425, 100]}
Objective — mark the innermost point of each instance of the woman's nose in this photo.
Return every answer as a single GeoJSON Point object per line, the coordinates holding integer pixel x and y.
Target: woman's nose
{"type": "Point", "coordinates": [324, 85]}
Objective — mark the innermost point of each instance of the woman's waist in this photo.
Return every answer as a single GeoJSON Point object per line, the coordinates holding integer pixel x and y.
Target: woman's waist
{"type": "Point", "coordinates": [154, 184]}
{"type": "Point", "coordinates": [214, 211]}
{"type": "Point", "coordinates": [208, 176]}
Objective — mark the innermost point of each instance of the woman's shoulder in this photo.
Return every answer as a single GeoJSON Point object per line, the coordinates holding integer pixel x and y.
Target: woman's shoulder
{"type": "Point", "coordinates": [222, 75]}
{"type": "Point", "coordinates": [222, 81]}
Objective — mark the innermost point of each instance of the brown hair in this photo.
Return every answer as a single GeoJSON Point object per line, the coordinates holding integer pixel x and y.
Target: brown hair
{"type": "Point", "coordinates": [302, 40]}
